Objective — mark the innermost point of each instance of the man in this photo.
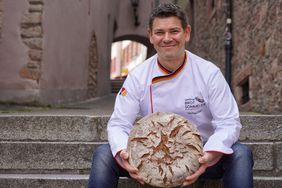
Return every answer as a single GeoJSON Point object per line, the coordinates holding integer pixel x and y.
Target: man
{"type": "Point", "coordinates": [175, 80]}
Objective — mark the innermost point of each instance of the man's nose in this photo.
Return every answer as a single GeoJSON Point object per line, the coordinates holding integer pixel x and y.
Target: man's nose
{"type": "Point", "coordinates": [167, 37]}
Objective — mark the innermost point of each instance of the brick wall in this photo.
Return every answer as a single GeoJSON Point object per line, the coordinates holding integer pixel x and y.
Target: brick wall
{"type": "Point", "coordinates": [256, 61]}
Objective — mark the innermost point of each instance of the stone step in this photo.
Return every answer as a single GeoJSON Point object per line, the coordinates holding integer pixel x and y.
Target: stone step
{"type": "Point", "coordinates": [53, 128]}
{"type": "Point", "coordinates": [259, 182]}
{"type": "Point", "coordinates": [38, 157]}
{"type": "Point", "coordinates": [80, 181]}
{"type": "Point", "coordinates": [43, 181]}
{"type": "Point", "coordinates": [59, 144]}
{"type": "Point", "coordinates": [261, 128]}
{"type": "Point", "coordinates": [30, 157]}
{"type": "Point", "coordinates": [93, 128]}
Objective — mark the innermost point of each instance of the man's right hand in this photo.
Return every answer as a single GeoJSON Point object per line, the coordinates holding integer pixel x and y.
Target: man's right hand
{"type": "Point", "coordinates": [122, 159]}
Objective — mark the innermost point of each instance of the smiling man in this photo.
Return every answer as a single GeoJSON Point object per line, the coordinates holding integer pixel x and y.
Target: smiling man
{"type": "Point", "coordinates": [169, 38]}
{"type": "Point", "coordinates": [176, 80]}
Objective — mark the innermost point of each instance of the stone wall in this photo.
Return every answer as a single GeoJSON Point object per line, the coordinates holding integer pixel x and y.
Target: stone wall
{"type": "Point", "coordinates": [257, 53]}
{"type": "Point", "coordinates": [31, 35]}
{"type": "Point", "coordinates": [256, 61]}
{"type": "Point", "coordinates": [208, 29]}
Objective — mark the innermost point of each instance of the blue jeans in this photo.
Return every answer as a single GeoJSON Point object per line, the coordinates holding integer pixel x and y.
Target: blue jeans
{"type": "Point", "coordinates": [235, 170]}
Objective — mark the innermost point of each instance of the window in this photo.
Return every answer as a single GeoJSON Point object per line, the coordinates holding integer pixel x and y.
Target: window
{"type": "Point", "coordinates": [243, 88]}
{"type": "Point", "coordinates": [245, 92]}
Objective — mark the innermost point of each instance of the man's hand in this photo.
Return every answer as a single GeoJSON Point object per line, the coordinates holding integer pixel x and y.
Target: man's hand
{"type": "Point", "coordinates": [208, 159]}
{"type": "Point", "coordinates": [122, 159]}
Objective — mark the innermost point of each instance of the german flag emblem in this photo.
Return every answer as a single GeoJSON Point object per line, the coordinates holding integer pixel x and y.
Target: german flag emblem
{"type": "Point", "coordinates": [123, 91]}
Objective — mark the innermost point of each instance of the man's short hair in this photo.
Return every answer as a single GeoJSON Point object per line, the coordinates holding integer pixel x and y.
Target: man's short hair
{"type": "Point", "coordinates": [167, 10]}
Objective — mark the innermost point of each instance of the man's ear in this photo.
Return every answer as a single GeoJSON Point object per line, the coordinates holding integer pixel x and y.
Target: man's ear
{"type": "Point", "coordinates": [187, 33]}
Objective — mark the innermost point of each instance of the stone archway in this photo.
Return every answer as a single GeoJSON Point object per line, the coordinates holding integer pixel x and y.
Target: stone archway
{"type": "Point", "coordinates": [121, 64]}
{"type": "Point", "coordinates": [141, 39]}
{"type": "Point", "coordinates": [92, 68]}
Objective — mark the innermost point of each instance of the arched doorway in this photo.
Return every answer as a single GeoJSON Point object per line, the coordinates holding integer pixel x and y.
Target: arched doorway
{"type": "Point", "coordinates": [125, 56]}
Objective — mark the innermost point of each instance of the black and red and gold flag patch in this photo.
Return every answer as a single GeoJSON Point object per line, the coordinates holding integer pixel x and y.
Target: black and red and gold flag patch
{"type": "Point", "coordinates": [123, 91]}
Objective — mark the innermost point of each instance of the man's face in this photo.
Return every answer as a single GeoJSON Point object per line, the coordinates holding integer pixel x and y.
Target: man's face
{"type": "Point", "coordinates": [169, 38]}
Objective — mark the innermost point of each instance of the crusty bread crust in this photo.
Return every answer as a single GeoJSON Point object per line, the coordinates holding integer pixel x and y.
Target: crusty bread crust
{"type": "Point", "coordinates": [165, 147]}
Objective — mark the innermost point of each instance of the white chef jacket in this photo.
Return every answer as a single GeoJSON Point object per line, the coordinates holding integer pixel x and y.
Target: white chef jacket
{"type": "Point", "coordinates": [197, 91]}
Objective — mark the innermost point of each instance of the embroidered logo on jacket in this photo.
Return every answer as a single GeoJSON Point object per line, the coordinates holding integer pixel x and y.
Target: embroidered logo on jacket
{"type": "Point", "coordinates": [194, 105]}
{"type": "Point", "coordinates": [123, 91]}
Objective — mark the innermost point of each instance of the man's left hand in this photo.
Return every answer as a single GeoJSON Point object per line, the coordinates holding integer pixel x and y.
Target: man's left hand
{"type": "Point", "coordinates": [208, 159]}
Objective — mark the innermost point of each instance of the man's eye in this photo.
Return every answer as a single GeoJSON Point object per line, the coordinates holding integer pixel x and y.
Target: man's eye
{"type": "Point", "coordinates": [159, 33]}
{"type": "Point", "coordinates": [174, 31]}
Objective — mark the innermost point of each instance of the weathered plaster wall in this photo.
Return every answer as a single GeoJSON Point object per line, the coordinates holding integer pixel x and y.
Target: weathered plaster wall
{"type": "Point", "coordinates": [1, 16]}
{"type": "Point", "coordinates": [55, 51]}
{"type": "Point", "coordinates": [64, 66]}
{"type": "Point", "coordinates": [69, 26]}
{"type": "Point", "coordinates": [14, 55]}
{"type": "Point", "coordinates": [104, 12]}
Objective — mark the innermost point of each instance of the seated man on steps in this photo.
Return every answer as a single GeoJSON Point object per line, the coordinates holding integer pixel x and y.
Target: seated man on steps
{"type": "Point", "coordinates": [178, 81]}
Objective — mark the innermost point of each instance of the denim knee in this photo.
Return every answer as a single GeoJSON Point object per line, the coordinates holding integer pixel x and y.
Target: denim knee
{"type": "Point", "coordinates": [103, 155]}
{"type": "Point", "coordinates": [242, 152]}
{"type": "Point", "coordinates": [104, 170]}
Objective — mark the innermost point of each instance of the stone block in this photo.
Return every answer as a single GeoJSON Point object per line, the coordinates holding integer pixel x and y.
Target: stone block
{"type": "Point", "coordinates": [261, 128]}
{"type": "Point", "coordinates": [35, 55]}
{"type": "Point", "coordinates": [29, 156]}
{"type": "Point", "coordinates": [33, 65]}
{"type": "Point", "coordinates": [43, 181]}
{"type": "Point", "coordinates": [35, 8]}
{"type": "Point", "coordinates": [30, 32]}
{"type": "Point", "coordinates": [267, 182]}
{"type": "Point", "coordinates": [259, 182]}
{"type": "Point", "coordinates": [129, 183]}
{"type": "Point", "coordinates": [35, 2]}
{"type": "Point", "coordinates": [262, 155]}
{"type": "Point", "coordinates": [33, 43]}
{"type": "Point", "coordinates": [53, 128]}
{"type": "Point", "coordinates": [32, 19]}
{"type": "Point", "coordinates": [33, 74]}
{"type": "Point", "coordinates": [279, 156]}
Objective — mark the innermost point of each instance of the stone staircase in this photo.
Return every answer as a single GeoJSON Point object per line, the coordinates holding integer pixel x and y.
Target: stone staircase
{"type": "Point", "coordinates": [54, 151]}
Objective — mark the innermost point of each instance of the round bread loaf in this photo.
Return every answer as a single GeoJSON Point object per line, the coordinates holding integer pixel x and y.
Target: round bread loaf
{"type": "Point", "coordinates": [165, 147]}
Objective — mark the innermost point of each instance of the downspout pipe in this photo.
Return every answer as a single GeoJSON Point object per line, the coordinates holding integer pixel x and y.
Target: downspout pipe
{"type": "Point", "coordinates": [228, 42]}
